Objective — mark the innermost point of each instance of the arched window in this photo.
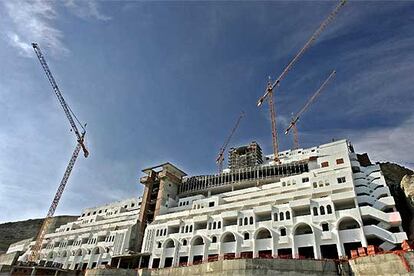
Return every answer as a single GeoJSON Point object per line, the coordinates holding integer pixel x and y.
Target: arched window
{"type": "Point", "coordinates": [159, 245]}
{"type": "Point", "coordinates": [287, 215]}
{"type": "Point", "coordinates": [315, 185]}
{"type": "Point", "coordinates": [209, 226]}
{"type": "Point", "coordinates": [214, 239]}
{"type": "Point", "coordinates": [282, 231]}
{"type": "Point", "coordinates": [246, 236]}
{"type": "Point", "coordinates": [170, 244]}
{"type": "Point", "coordinates": [251, 220]}
{"type": "Point", "coordinates": [348, 223]}
{"type": "Point", "coordinates": [229, 237]}
{"type": "Point", "coordinates": [263, 234]}
{"type": "Point", "coordinates": [275, 217]}
{"type": "Point", "coordinates": [315, 211]}
{"type": "Point", "coordinates": [303, 229]}
{"type": "Point", "coordinates": [282, 216]}
{"type": "Point", "coordinates": [246, 221]}
{"type": "Point", "coordinates": [184, 242]}
{"type": "Point", "coordinates": [182, 229]}
{"type": "Point", "coordinates": [329, 209]}
{"type": "Point", "coordinates": [156, 233]}
{"type": "Point", "coordinates": [219, 224]}
{"type": "Point", "coordinates": [322, 209]}
{"type": "Point", "coordinates": [214, 225]}
{"type": "Point", "coordinates": [320, 183]}
{"type": "Point", "coordinates": [198, 241]}
{"type": "Point", "coordinates": [191, 228]}
{"type": "Point", "coordinates": [240, 221]}
{"type": "Point", "coordinates": [186, 228]}
{"type": "Point", "coordinates": [165, 231]}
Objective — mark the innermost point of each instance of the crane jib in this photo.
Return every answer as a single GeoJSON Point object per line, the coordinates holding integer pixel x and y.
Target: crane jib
{"type": "Point", "coordinates": [59, 95]}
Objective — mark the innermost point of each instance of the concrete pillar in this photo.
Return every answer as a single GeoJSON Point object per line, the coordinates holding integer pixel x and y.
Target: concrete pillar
{"type": "Point", "coordinates": [237, 247]}
{"type": "Point", "coordinates": [275, 239]}
{"type": "Point", "coordinates": [295, 252]}
{"type": "Point", "coordinates": [363, 238]}
{"type": "Point", "coordinates": [205, 250]}
{"type": "Point", "coordinates": [190, 253]}
{"type": "Point", "coordinates": [176, 254]}
{"type": "Point", "coordinates": [339, 246]}
{"type": "Point", "coordinates": [33, 271]}
{"type": "Point", "coordinates": [255, 251]}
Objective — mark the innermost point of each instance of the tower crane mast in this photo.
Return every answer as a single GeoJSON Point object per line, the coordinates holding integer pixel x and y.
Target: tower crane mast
{"type": "Point", "coordinates": [268, 95]}
{"type": "Point", "coordinates": [295, 118]}
{"type": "Point", "coordinates": [220, 156]}
{"type": "Point", "coordinates": [35, 250]}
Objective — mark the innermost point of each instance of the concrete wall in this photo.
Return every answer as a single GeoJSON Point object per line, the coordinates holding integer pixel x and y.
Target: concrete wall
{"type": "Point", "coordinates": [111, 272]}
{"type": "Point", "coordinates": [383, 265]}
{"type": "Point", "coordinates": [250, 267]}
{"type": "Point", "coordinates": [9, 259]}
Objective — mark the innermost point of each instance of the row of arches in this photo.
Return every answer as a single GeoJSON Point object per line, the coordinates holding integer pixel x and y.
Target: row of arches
{"type": "Point", "coordinates": [262, 244]}
{"type": "Point", "coordinates": [79, 252]}
{"type": "Point", "coordinates": [301, 228]}
{"type": "Point", "coordinates": [322, 210]}
{"type": "Point", "coordinates": [281, 216]}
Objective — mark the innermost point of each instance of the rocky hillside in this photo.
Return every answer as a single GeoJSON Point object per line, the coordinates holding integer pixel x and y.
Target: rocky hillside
{"type": "Point", "coordinates": [12, 232]}
{"type": "Point", "coordinates": [393, 174]}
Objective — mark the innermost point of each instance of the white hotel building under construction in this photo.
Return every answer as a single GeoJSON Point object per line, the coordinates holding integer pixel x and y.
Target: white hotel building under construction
{"type": "Point", "coordinates": [319, 202]}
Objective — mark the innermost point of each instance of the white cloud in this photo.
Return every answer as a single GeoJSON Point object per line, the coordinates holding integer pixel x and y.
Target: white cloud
{"type": "Point", "coordinates": [394, 144]}
{"type": "Point", "coordinates": [32, 21]}
{"type": "Point", "coordinates": [15, 41]}
{"type": "Point", "coordinates": [86, 9]}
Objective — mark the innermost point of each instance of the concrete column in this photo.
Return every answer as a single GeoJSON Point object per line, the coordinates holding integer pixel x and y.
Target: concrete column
{"type": "Point", "coordinates": [255, 251]}
{"type": "Point", "coordinates": [205, 250]}
{"type": "Point", "coordinates": [190, 253]}
{"type": "Point", "coordinates": [33, 271]}
{"type": "Point", "coordinates": [363, 238]}
{"type": "Point", "coordinates": [237, 248]}
{"type": "Point", "coordinates": [275, 238]}
{"type": "Point", "coordinates": [176, 254]}
{"type": "Point", "coordinates": [99, 259]}
{"type": "Point", "coordinates": [162, 258]}
{"type": "Point", "coordinates": [65, 261]}
{"type": "Point", "coordinates": [294, 249]}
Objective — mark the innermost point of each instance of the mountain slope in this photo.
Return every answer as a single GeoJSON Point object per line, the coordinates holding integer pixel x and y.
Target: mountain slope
{"type": "Point", "coordinates": [393, 173]}
{"type": "Point", "coordinates": [12, 232]}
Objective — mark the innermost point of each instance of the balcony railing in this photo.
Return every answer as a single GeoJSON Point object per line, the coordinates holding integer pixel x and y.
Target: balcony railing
{"type": "Point", "coordinates": [206, 182]}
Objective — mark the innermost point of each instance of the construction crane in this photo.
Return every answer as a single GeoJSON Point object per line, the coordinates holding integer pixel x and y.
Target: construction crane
{"type": "Point", "coordinates": [220, 156]}
{"type": "Point", "coordinates": [271, 87]}
{"type": "Point", "coordinates": [80, 136]}
{"type": "Point", "coordinates": [295, 118]}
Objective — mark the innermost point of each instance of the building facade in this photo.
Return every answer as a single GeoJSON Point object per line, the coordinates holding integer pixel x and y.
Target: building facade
{"type": "Point", "coordinates": [245, 156]}
{"type": "Point", "coordinates": [99, 234]}
{"type": "Point", "coordinates": [319, 202]}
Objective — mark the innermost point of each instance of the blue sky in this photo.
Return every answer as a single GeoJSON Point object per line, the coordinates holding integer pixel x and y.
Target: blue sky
{"type": "Point", "coordinates": [166, 81]}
